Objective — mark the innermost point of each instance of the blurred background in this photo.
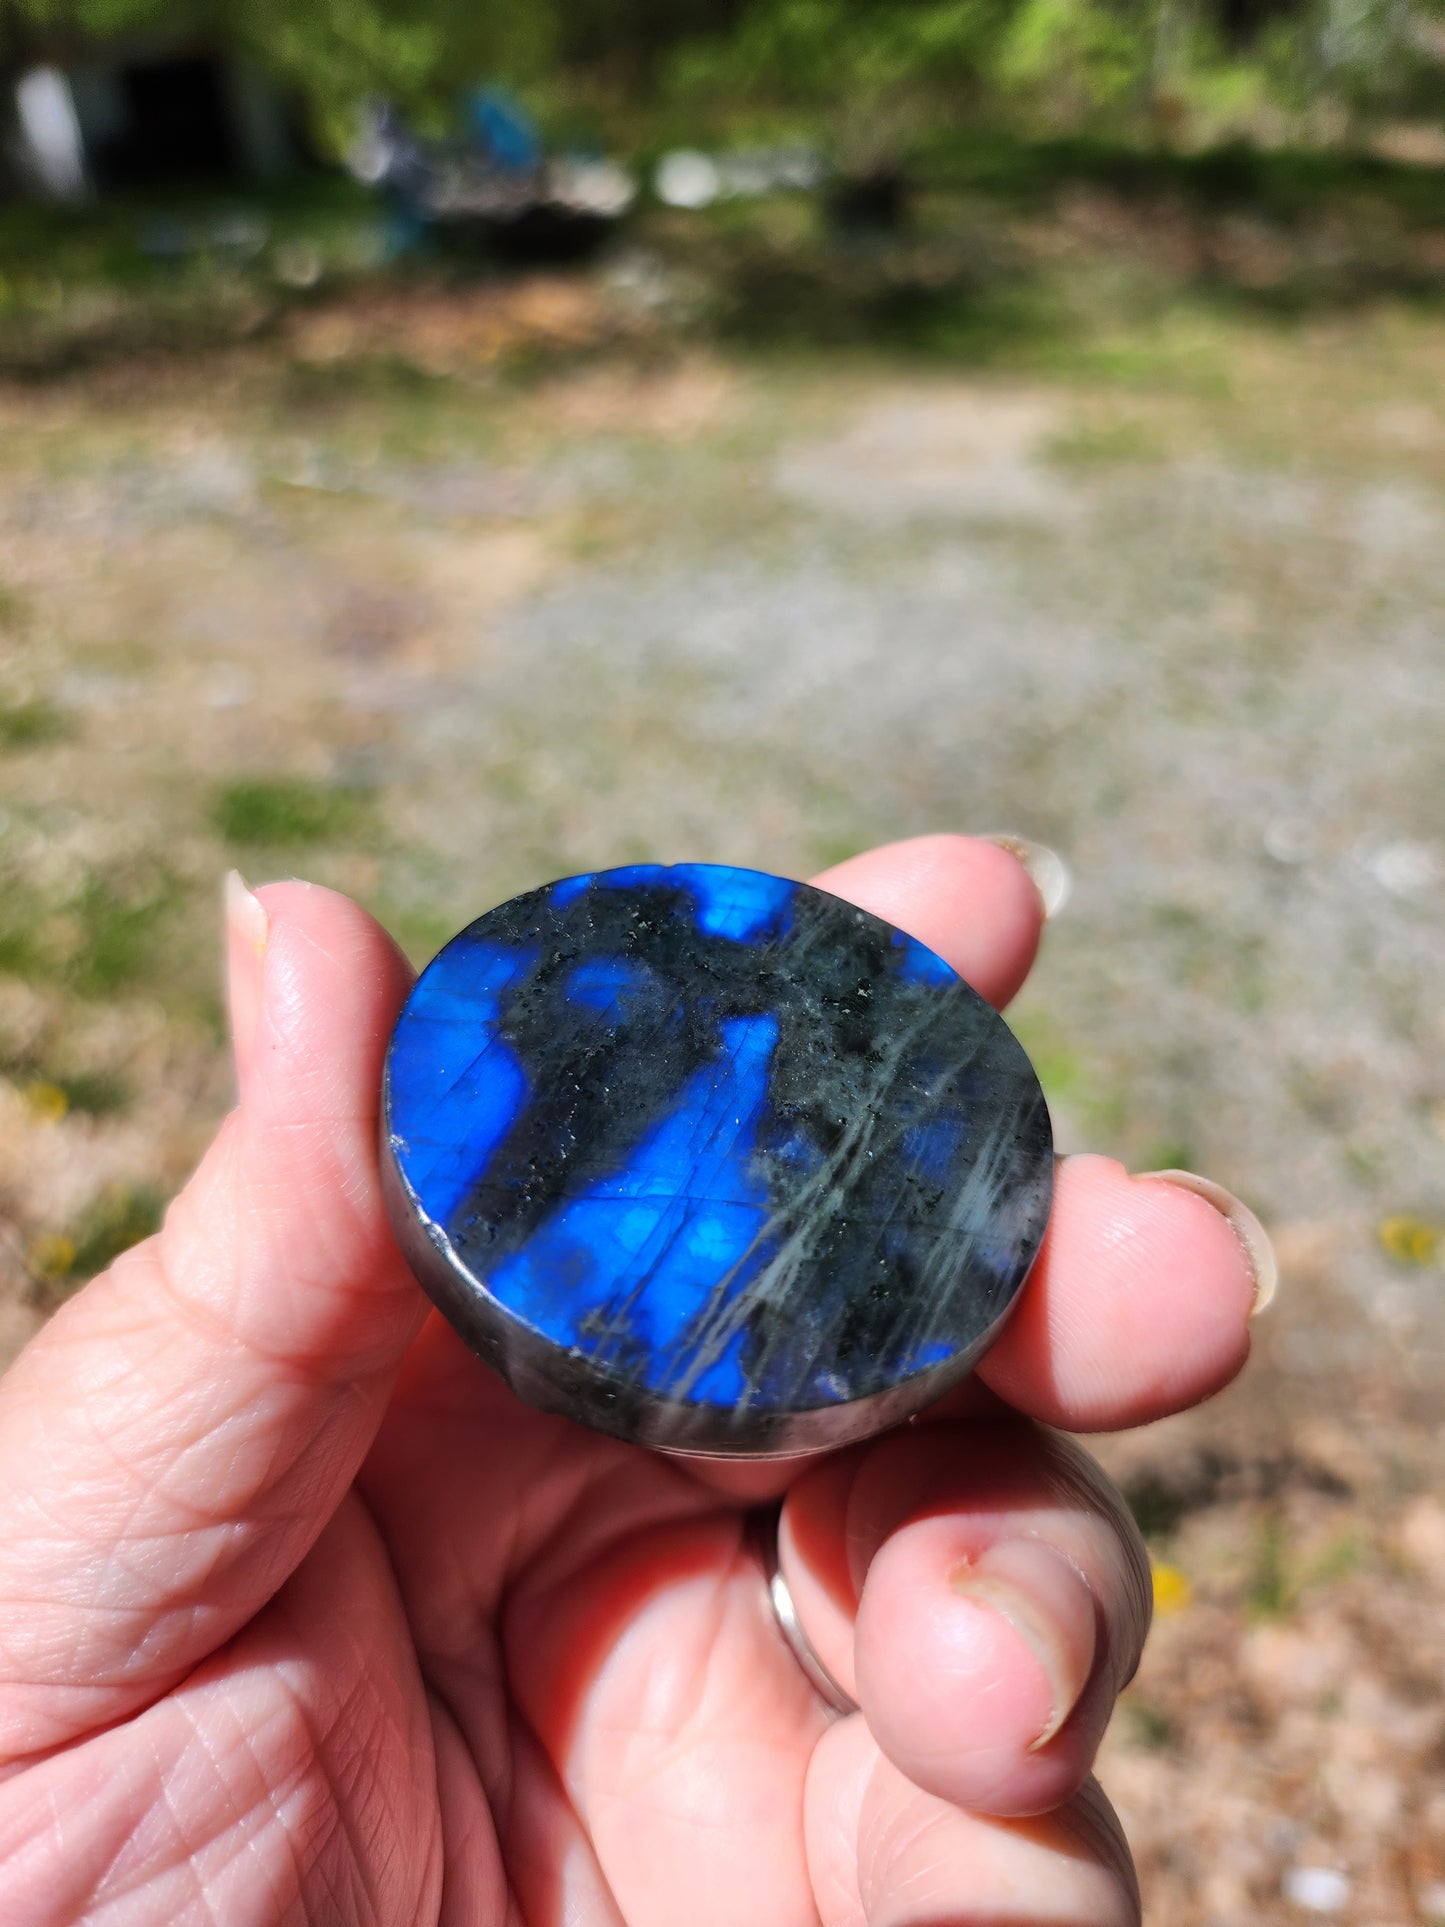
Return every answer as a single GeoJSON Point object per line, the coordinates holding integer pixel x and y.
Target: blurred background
{"type": "Point", "coordinates": [443, 448]}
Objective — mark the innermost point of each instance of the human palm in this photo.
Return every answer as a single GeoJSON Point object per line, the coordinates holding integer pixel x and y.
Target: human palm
{"type": "Point", "coordinates": [304, 1617]}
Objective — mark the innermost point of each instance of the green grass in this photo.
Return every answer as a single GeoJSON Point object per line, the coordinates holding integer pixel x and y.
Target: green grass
{"type": "Point", "coordinates": [110, 240]}
{"type": "Point", "coordinates": [119, 937]}
{"type": "Point", "coordinates": [103, 940]}
{"type": "Point", "coordinates": [949, 306]}
{"type": "Point", "coordinates": [1280, 1575]}
{"type": "Point", "coordinates": [24, 947]}
{"type": "Point", "coordinates": [419, 931]}
{"type": "Point", "coordinates": [1104, 444]}
{"type": "Point", "coordinates": [118, 1217]}
{"type": "Point", "coordinates": [1285, 185]}
{"type": "Point", "coordinates": [1148, 1726]}
{"type": "Point", "coordinates": [1269, 1593]}
{"type": "Point", "coordinates": [289, 812]}
{"type": "Point", "coordinates": [93, 1093]}
{"type": "Point", "coordinates": [29, 725]}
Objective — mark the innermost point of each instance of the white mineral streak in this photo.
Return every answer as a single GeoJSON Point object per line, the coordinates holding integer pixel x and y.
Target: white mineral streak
{"type": "Point", "coordinates": [870, 1132]}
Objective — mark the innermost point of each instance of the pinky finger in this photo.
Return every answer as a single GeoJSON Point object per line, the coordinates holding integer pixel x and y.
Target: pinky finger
{"type": "Point", "coordinates": [884, 1854]}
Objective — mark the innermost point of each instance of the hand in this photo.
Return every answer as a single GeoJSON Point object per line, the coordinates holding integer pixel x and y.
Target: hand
{"type": "Point", "coordinates": [304, 1617]}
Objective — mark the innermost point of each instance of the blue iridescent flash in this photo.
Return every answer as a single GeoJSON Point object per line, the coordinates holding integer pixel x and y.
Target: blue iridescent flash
{"type": "Point", "coordinates": [713, 1159]}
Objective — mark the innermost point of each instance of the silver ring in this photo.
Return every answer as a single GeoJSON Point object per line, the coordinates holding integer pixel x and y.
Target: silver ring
{"type": "Point", "coordinates": [765, 1537]}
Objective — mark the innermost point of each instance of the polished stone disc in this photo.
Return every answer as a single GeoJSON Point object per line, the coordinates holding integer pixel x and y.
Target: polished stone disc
{"type": "Point", "coordinates": [712, 1160]}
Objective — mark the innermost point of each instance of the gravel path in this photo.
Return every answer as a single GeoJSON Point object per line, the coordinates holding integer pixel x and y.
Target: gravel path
{"type": "Point", "coordinates": [716, 612]}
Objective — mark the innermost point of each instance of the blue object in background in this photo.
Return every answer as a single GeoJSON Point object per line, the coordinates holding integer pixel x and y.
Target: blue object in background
{"type": "Point", "coordinates": [501, 130]}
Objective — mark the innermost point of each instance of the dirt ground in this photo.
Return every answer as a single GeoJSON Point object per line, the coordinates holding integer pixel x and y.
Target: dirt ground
{"type": "Point", "coordinates": [434, 636]}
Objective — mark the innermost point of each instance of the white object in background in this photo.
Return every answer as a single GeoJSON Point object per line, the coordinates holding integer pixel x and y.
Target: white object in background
{"type": "Point", "coordinates": [592, 187]}
{"type": "Point", "coordinates": [685, 178]}
{"type": "Point", "coordinates": [1405, 869]}
{"type": "Point", "coordinates": [51, 129]}
{"type": "Point", "coordinates": [1319, 1890]}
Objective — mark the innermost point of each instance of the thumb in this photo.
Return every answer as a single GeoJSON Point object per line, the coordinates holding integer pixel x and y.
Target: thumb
{"type": "Point", "coordinates": [173, 1443]}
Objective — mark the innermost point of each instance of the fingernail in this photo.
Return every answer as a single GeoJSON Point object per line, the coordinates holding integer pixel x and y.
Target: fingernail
{"type": "Point", "coordinates": [1048, 1604]}
{"type": "Point", "coordinates": [245, 913]}
{"type": "Point", "coordinates": [247, 928]}
{"type": "Point", "coordinates": [1258, 1251]}
{"type": "Point", "coordinates": [1048, 872]}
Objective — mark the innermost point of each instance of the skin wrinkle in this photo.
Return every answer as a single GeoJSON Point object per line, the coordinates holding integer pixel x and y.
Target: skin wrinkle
{"type": "Point", "coordinates": [205, 1562]}
{"type": "Point", "coordinates": [272, 1797]}
{"type": "Point", "coordinates": [444, 1722]}
{"type": "Point", "coordinates": [301, 1368]}
{"type": "Point", "coordinates": [468, 1829]}
{"type": "Point", "coordinates": [320, 1735]}
{"type": "Point", "coordinates": [204, 1544]}
{"type": "Point", "coordinates": [226, 1811]}
{"type": "Point", "coordinates": [184, 1858]}
{"type": "Point", "coordinates": [323, 1737]}
{"type": "Point", "coordinates": [317, 1736]}
{"type": "Point", "coordinates": [494, 1767]}
{"type": "Point", "coordinates": [490, 1463]}
{"type": "Point", "coordinates": [901, 1835]}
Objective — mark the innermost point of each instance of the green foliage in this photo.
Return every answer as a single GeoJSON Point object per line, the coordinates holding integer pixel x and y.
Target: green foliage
{"type": "Point", "coordinates": [339, 51]}
{"type": "Point", "coordinates": [864, 71]}
{"type": "Point", "coordinates": [877, 73]}
{"type": "Point", "coordinates": [1075, 61]}
{"type": "Point", "coordinates": [870, 76]}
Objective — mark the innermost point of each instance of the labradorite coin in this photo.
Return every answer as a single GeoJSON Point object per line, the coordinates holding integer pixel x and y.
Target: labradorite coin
{"type": "Point", "coordinates": [711, 1160]}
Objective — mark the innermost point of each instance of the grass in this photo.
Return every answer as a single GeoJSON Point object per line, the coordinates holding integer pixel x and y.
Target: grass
{"type": "Point", "coordinates": [102, 940]}
{"type": "Point", "coordinates": [420, 932]}
{"type": "Point", "coordinates": [962, 282]}
{"type": "Point", "coordinates": [119, 936]}
{"type": "Point", "coordinates": [1280, 1575]}
{"type": "Point", "coordinates": [93, 1093]}
{"type": "Point", "coordinates": [1270, 1593]}
{"type": "Point", "coordinates": [1286, 185]}
{"type": "Point", "coordinates": [289, 812]}
{"type": "Point", "coordinates": [118, 1217]}
{"type": "Point", "coordinates": [1103, 444]}
{"type": "Point", "coordinates": [1150, 1728]}
{"type": "Point", "coordinates": [29, 725]}
{"type": "Point", "coordinates": [121, 1216]}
